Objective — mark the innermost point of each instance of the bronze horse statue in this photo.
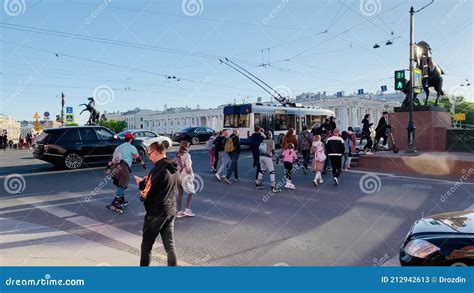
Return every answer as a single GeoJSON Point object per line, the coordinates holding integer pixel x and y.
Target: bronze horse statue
{"type": "Point", "coordinates": [431, 75]}
{"type": "Point", "coordinates": [94, 115]}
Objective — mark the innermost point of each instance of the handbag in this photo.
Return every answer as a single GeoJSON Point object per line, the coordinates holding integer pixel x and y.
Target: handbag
{"type": "Point", "coordinates": [187, 182]}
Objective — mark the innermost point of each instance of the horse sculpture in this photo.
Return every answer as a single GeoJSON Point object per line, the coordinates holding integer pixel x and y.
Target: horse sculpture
{"type": "Point", "coordinates": [431, 75]}
{"type": "Point", "coordinates": [94, 115]}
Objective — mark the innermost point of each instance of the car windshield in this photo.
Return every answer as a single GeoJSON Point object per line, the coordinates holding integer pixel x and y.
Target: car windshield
{"type": "Point", "coordinates": [189, 129]}
{"type": "Point", "coordinates": [122, 134]}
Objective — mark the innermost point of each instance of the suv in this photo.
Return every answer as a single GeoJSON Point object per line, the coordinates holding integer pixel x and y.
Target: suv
{"type": "Point", "coordinates": [72, 147]}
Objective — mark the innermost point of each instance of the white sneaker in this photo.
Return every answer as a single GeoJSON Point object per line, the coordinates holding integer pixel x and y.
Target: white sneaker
{"type": "Point", "coordinates": [315, 181]}
{"type": "Point", "coordinates": [180, 214]}
{"type": "Point", "coordinates": [369, 153]}
{"type": "Point", "coordinates": [218, 177]}
{"type": "Point", "coordinates": [188, 213]}
{"type": "Point", "coordinates": [336, 181]}
{"type": "Point", "coordinates": [321, 180]}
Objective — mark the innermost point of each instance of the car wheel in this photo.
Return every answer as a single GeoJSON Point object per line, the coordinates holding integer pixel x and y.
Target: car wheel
{"type": "Point", "coordinates": [195, 140]}
{"type": "Point", "coordinates": [166, 144]}
{"type": "Point", "coordinates": [459, 264]}
{"type": "Point", "coordinates": [73, 161]}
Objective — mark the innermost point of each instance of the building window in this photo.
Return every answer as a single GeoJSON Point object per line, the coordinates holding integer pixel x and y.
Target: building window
{"type": "Point", "coordinates": [141, 126]}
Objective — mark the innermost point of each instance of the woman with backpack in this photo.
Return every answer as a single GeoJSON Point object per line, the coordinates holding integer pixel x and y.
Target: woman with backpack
{"type": "Point", "coordinates": [319, 158]}
{"type": "Point", "coordinates": [186, 179]}
{"type": "Point", "coordinates": [267, 151]}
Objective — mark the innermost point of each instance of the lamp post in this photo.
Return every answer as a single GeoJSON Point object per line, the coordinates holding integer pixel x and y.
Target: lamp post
{"type": "Point", "coordinates": [411, 148]}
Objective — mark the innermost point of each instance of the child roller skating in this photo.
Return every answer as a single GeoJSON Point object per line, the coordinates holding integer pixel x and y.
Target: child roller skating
{"type": "Point", "coordinates": [289, 157]}
{"type": "Point", "coordinates": [119, 169]}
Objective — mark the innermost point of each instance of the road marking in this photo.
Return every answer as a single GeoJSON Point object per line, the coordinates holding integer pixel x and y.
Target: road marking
{"type": "Point", "coordinates": [33, 200]}
{"type": "Point", "coordinates": [110, 231]}
{"type": "Point", "coordinates": [56, 172]}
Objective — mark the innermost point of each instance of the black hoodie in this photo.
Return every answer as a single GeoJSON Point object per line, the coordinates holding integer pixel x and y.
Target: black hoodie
{"type": "Point", "coordinates": [161, 198]}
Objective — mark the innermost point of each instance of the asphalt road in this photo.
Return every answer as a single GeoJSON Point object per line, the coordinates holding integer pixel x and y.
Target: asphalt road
{"type": "Point", "coordinates": [361, 222]}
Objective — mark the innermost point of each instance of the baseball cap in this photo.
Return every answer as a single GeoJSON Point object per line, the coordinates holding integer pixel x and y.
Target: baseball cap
{"type": "Point", "coordinates": [128, 136]}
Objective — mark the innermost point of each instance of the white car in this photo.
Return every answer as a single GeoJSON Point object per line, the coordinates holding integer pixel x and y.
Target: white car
{"type": "Point", "coordinates": [148, 137]}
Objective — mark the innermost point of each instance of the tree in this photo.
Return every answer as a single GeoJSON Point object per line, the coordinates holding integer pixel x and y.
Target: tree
{"type": "Point", "coordinates": [461, 106]}
{"type": "Point", "coordinates": [114, 125]}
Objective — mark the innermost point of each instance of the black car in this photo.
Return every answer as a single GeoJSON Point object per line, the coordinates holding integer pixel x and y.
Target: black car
{"type": "Point", "coordinates": [194, 135]}
{"type": "Point", "coordinates": [440, 240]}
{"type": "Point", "coordinates": [75, 146]}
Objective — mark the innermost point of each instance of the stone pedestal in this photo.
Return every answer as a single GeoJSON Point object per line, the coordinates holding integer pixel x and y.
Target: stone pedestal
{"type": "Point", "coordinates": [430, 133]}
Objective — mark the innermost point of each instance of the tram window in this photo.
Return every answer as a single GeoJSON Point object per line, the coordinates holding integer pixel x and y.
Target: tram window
{"type": "Point", "coordinates": [244, 120]}
{"type": "Point", "coordinates": [231, 120]}
{"type": "Point", "coordinates": [256, 120]}
{"type": "Point", "coordinates": [284, 122]}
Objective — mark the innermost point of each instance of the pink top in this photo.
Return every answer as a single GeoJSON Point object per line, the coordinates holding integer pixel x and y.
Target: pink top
{"type": "Point", "coordinates": [289, 156]}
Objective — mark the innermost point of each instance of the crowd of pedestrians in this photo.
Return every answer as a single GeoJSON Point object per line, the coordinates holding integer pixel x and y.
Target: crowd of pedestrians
{"type": "Point", "coordinates": [163, 189]}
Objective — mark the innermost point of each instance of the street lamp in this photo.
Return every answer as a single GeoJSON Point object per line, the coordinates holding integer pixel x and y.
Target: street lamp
{"type": "Point", "coordinates": [411, 148]}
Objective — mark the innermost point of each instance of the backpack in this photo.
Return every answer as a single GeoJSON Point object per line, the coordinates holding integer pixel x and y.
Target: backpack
{"type": "Point", "coordinates": [229, 145]}
{"type": "Point", "coordinates": [262, 149]}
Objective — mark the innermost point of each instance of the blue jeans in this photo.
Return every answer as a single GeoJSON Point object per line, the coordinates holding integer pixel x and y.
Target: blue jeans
{"type": "Point", "coordinates": [233, 166]}
{"type": "Point", "coordinates": [120, 192]}
{"type": "Point", "coordinates": [224, 163]}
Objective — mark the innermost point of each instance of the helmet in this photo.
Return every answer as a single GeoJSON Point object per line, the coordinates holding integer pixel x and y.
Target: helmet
{"type": "Point", "coordinates": [129, 136]}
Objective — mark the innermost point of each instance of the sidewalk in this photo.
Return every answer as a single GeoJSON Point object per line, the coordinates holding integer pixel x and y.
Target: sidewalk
{"type": "Point", "coordinates": [434, 164]}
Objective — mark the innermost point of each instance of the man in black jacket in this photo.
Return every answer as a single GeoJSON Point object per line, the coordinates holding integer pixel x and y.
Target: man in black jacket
{"type": "Point", "coordinates": [255, 140]}
{"type": "Point", "coordinates": [381, 130]}
{"type": "Point", "coordinates": [158, 194]}
{"type": "Point", "coordinates": [335, 150]}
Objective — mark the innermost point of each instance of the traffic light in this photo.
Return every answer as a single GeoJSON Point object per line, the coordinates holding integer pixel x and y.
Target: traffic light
{"type": "Point", "coordinates": [400, 80]}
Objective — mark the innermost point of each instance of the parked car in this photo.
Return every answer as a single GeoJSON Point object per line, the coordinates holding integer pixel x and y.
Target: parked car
{"type": "Point", "coordinates": [440, 240]}
{"type": "Point", "coordinates": [148, 137]}
{"type": "Point", "coordinates": [194, 135]}
{"type": "Point", "coordinates": [75, 146]}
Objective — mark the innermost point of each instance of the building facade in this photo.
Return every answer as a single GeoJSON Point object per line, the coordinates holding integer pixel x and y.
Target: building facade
{"type": "Point", "coordinates": [9, 125]}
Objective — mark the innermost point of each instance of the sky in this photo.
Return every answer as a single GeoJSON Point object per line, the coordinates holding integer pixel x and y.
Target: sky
{"type": "Point", "coordinates": [149, 54]}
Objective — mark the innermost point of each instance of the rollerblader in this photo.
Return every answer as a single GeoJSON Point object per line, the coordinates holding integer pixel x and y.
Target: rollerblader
{"type": "Point", "coordinates": [289, 157]}
{"type": "Point", "coordinates": [119, 168]}
{"type": "Point", "coordinates": [266, 151]}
